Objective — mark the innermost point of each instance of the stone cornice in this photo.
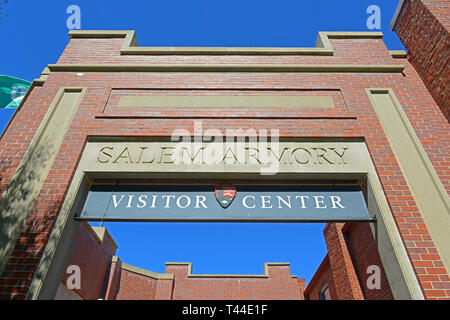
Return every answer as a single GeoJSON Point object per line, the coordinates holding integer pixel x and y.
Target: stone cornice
{"type": "Point", "coordinates": [312, 68]}
{"type": "Point", "coordinates": [398, 54]}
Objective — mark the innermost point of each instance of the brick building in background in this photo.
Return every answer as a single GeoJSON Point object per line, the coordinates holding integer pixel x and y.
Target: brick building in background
{"type": "Point", "coordinates": [349, 94]}
{"type": "Point", "coordinates": [105, 276]}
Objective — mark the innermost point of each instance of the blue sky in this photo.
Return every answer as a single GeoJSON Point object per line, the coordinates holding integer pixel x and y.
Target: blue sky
{"type": "Point", "coordinates": [34, 34]}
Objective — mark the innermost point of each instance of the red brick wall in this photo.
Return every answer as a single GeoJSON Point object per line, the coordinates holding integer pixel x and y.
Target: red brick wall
{"type": "Point", "coordinates": [364, 253]}
{"type": "Point", "coordinates": [279, 285]}
{"type": "Point", "coordinates": [322, 277]}
{"type": "Point", "coordinates": [351, 249]}
{"type": "Point", "coordinates": [423, 27]}
{"type": "Point", "coordinates": [112, 280]}
{"type": "Point", "coordinates": [345, 278]}
{"type": "Point", "coordinates": [93, 257]}
{"type": "Point", "coordinates": [164, 289]}
{"type": "Point", "coordinates": [357, 120]}
{"type": "Point", "coordinates": [302, 285]}
{"type": "Point", "coordinates": [135, 286]}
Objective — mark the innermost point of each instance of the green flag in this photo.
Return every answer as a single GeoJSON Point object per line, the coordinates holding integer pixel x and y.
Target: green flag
{"type": "Point", "coordinates": [12, 91]}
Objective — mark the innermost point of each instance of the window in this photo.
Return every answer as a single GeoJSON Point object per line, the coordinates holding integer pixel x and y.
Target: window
{"type": "Point", "coordinates": [324, 293]}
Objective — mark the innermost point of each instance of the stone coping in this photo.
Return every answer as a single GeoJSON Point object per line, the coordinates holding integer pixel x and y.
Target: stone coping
{"type": "Point", "coordinates": [130, 46]}
{"type": "Point", "coordinates": [154, 275]}
{"type": "Point", "coordinates": [265, 275]}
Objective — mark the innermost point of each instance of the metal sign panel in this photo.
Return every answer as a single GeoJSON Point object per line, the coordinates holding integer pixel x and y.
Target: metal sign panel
{"type": "Point", "coordinates": [201, 203]}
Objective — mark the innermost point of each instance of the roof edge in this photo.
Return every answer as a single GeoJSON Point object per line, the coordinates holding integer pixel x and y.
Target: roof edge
{"type": "Point", "coordinates": [130, 46]}
{"type": "Point", "coordinates": [144, 272]}
{"type": "Point", "coordinates": [317, 275]}
{"type": "Point", "coordinates": [265, 275]}
{"type": "Point", "coordinates": [396, 14]}
{"type": "Point", "coordinates": [390, 68]}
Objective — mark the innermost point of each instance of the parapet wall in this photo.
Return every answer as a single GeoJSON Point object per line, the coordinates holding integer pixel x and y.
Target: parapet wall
{"type": "Point", "coordinates": [120, 47]}
{"type": "Point", "coordinates": [275, 284]}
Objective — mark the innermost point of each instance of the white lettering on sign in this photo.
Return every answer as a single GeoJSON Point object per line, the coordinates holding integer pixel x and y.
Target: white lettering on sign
{"type": "Point", "coordinates": [198, 201]}
{"type": "Point", "coordinates": [287, 202]}
{"type": "Point", "coordinates": [245, 202]}
{"type": "Point", "coordinates": [250, 202]}
{"type": "Point", "coordinates": [116, 203]}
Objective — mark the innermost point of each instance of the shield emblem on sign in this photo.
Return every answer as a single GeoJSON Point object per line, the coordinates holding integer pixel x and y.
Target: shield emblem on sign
{"type": "Point", "coordinates": [225, 194]}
